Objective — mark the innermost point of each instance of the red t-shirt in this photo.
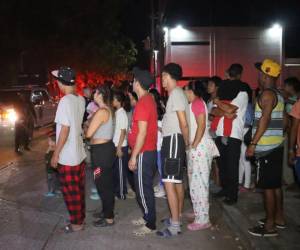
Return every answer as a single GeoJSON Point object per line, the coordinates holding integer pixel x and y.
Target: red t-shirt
{"type": "Point", "coordinates": [145, 110]}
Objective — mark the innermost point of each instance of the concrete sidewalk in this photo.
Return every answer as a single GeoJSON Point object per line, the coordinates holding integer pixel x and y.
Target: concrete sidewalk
{"type": "Point", "coordinates": [250, 209]}
{"type": "Point", "coordinates": [29, 220]}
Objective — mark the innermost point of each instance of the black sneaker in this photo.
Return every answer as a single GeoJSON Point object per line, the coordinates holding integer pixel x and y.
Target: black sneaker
{"type": "Point", "coordinates": [262, 222]}
{"type": "Point", "coordinates": [260, 231]}
{"type": "Point", "coordinates": [229, 202]}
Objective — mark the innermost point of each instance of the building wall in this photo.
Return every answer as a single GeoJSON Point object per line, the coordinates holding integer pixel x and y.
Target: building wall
{"type": "Point", "coordinates": [206, 51]}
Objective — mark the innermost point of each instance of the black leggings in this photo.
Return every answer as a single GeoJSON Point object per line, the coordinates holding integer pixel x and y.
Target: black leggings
{"type": "Point", "coordinates": [103, 157]}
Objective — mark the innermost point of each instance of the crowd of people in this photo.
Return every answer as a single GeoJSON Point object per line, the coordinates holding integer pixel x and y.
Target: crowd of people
{"type": "Point", "coordinates": [212, 132]}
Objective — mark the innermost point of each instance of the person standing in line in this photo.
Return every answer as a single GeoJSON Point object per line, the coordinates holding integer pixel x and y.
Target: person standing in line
{"type": "Point", "coordinates": [294, 135]}
{"type": "Point", "coordinates": [175, 141]}
{"type": "Point", "coordinates": [142, 139]}
{"type": "Point", "coordinates": [69, 153]}
{"type": "Point", "coordinates": [159, 190]}
{"type": "Point", "coordinates": [267, 147]}
{"type": "Point", "coordinates": [292, 93]}
{"type": "Point", "coordinates": [201, 153]}
{"type": "Point", "coordinates": [120, 141]}
{"type": "Point", "coordinates": [228, 124]}
{"type": "Point", "coordinates": [103, 154]}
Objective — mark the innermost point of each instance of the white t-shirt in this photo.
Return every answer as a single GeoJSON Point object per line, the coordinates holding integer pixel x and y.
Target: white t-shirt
{"type": "Point", "coordinates": [70, 113]}
{"type": "Point", "coordinates": [121, 122]}
{"type": "Point", "coordinates": [237, 132]}
{"type": "Point", "coordinates": [177, 102]}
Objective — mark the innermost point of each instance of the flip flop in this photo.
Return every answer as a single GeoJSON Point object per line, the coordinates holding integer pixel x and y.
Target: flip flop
{"type": "Point", "coordinates": [166, 233]}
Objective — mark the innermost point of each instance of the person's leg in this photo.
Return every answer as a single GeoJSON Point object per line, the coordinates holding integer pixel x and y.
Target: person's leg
{"type": "Point", "coordinates": [247, 183]}
{"type": "Point", "coordinates": [180, 197]}
{"type": "Point", "coordinates": [279, 217]}
{"type": "Point", "coordinates": [222, 165]}
{"type": "Point", "coordinates": [124, 170]}
{"type": "Point", "coordinates": [70, 178]}
{"type": "Point", "coordinates": [147, 171]}
{"type": "Point", "coordinates": [116, 177]}
{"type": "Point", "coordinates": [242, 165]}
{"type": "Point", "coordinates": [159, 168]}
{"type": "Point", "coordinates": [270, 207]}
{"type": "Point", "coordinates": [232, 174]}
{"type": "Point", "coordinates": [172, 201]}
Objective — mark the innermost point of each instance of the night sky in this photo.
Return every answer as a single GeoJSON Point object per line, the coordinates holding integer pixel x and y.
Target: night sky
{"type": "Point", "coordinates": [31, 23]}
{"type": "Point", "coordinates": [220, 13]}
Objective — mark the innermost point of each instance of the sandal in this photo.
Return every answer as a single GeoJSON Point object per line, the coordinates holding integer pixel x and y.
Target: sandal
{"type": "Point", "coordinates": [198, 226]}
{"type": "Point", "coordinates": [103, 223]}
{"type": "Point", "coordinates": [166, 233]}
{"type": "Point", "coordinates": [69, 229]}
{"type": "Point", "coordinates": [262, 222]}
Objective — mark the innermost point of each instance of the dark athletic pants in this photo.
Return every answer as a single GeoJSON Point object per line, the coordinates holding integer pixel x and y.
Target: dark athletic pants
{"type": "Point", "coordinates": [228, 164]}
{"type": "Point", "coordinates": [146, 169]}
{"type": "Point", "coordinates": [103, 156]}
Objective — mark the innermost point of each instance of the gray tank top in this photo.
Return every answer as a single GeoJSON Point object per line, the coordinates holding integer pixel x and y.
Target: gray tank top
{"type": "Point", "coordinates": [105, 131]}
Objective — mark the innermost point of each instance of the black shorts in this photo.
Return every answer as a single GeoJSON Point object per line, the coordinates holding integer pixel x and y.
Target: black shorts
{"type": "Point", "coordinates": [173, 158]}
{"type": "Point", "coordinates": [269, 169]}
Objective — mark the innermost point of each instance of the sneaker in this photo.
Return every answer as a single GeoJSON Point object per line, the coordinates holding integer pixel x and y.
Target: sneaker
{"type": "Point", "coordinates": [156, 188]}
{"type": "Point", "coordinates": [143, 231]}
{"type": "Point", "coordinates": [131, 194]}
{"type": "Point", "coordinates": [262, 222]}
{"type": "Point", "coordinates": [49, 194]}
{"type": "Point", "coordinates": [197, 226]}
{"type": "Point", "coordinates": [94, 190]}
{"type": "Point", "coordinates": [139, 222]}
{"type": "Point", "coordinates": [160, 193]}
{"type": "Point", "coordinates": [94, 197]}
{"type": "Point", "coordinates": [260, 231]}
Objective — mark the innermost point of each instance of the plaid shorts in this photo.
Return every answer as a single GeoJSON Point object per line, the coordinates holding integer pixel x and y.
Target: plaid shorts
{"type": "Point", "coordinates": [72, 179]}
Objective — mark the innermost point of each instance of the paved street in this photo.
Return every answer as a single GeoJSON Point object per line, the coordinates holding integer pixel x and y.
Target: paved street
{"type": "Point", "coordinates": [31, 221]}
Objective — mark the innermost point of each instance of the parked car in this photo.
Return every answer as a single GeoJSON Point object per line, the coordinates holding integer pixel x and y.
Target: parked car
{"type": "Point", "coordinates": [43, 104]}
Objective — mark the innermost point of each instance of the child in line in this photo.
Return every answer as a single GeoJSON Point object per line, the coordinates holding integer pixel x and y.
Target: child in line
{"type": "Point", "coordinates": [52, 174]}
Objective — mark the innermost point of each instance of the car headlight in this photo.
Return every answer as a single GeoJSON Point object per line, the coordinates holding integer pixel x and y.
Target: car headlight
{"type": "Point", "coordinates": [11, 115]}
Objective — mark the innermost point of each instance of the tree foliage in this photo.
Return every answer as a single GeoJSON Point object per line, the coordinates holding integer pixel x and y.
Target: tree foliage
{"type": "Point", "coordinates": [46, 34]}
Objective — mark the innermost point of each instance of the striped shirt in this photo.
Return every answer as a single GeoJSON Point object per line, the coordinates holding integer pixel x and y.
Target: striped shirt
{"type": "Point", "coordinates": [273, 136]}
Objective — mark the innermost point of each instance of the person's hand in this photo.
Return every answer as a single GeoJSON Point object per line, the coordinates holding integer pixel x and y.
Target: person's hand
{"type": "Point", "coordinates": [250, 151]}
{"type": "Point", "coordinates": [132, 163]}
{"type": "Point", "coordinates": [231, 116]}
{"type": "Point", "coordinates": [54, 160]}
{"type": "Point", "coordinates": [119, 152]}
{"type": "Point", "coordinates": [292, 157]}
{"type": "Point", "coordinates": [216, 100]}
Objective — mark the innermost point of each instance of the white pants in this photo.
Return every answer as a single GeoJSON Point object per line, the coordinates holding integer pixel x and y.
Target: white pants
{"type": "Point", "coordinates": [245, 166]}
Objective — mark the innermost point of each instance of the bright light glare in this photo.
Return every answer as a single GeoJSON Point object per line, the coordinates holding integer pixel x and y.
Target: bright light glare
{"type": "Point", "coordinates": [179, 32]}
{"type": "Point", "coordinates": [12, 115]}
{"type": "Point", "coordinates": [165, 29]}
{"type": "Point", "coordinates": [275, 31]}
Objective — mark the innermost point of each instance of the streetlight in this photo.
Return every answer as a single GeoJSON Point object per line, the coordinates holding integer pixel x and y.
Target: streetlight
{"type": "Point", "coordinates": [275, 31]}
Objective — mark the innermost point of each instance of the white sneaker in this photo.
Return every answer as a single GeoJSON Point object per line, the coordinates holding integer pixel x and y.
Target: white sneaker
{"type": "Point", "coordinates": [160, 193]}
{"type": "Point", "coordinates": [94, 190]}
{"type": "Point", "coordinates": [94, 197]}
{"type": "Point", "coordinates": [139, 222]}
{"type": "Point", "coordinates": [156, 188]}
{"type": "Point", "coordinates": [143, 231]}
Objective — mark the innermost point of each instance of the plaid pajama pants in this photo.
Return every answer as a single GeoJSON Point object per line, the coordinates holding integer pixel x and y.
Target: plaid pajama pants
{"type": "Point", "coordinates": [72, 179]}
